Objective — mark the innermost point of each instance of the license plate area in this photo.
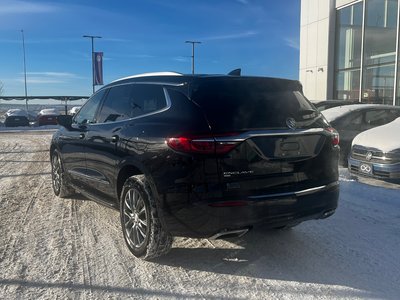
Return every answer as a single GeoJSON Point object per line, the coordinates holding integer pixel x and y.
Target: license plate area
{"type": "Point", "coordinates": [366, 169]}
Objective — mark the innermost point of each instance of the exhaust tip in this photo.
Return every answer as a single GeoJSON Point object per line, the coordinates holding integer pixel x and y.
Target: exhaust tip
{"type": "Point", "coordinates": [230, 233]}
{"type": "Point", "coordinates": [328, 214]}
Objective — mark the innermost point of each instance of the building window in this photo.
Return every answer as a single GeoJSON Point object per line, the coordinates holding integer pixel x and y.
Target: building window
{"type": "Point", "coordinates": [348, 51]}
{"type": "Point", "coordinates": [379, 51]}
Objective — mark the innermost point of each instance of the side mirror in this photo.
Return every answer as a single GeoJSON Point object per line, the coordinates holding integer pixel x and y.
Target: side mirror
{"type": "Point", "coordinates": [65, 121]}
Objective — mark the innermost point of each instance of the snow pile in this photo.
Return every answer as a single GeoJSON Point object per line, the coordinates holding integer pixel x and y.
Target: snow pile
{"type": "Point", "coordinates": [74, 110]}
{"type": "Point", "coordinates": [384, 138]}
{"type": "Point", "coordinates": [16, 113]}
{"type": "Point", "coordinates": [49, 112]}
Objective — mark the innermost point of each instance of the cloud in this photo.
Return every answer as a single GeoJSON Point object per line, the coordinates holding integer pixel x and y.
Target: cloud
{"type": "Point", "coordinates": [292, 43]}
{"type": "Point", "coordinates": [232, 36]}
{"type": "Point", "coordinates": [181, 59]}
{"type": "Point", "coordinates": [48, 77]}
{"type": "Point", "coordinates": [243, 1]}
{"type": "Point", "coordinates": [53, 74]}
{"type": "Point", "coordinates": [23, 7]}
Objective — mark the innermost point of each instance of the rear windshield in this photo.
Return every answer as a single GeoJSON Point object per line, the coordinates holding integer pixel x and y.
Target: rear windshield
{"type": "Point", "coordinates": [232, 104]}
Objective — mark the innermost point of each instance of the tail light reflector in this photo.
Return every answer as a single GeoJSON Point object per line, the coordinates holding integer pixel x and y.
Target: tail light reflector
{"type": "Point", "coordinates": [335, 136]}
{"type": "Point", "coordinates": [201, 145]}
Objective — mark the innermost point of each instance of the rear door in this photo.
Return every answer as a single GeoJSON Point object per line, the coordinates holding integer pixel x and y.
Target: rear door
{"type": "Point", "coordinates": [123, 105]}
{"type": "Point", "coordinates": [72, 142]}
{"type": "Point", "coordinates": [282, 145]}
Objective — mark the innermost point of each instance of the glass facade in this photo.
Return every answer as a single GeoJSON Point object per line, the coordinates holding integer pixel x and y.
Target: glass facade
{"type": "Point", "coordinates": [348, 51]}
{"type": "Point", "coordinates": [366, 51]}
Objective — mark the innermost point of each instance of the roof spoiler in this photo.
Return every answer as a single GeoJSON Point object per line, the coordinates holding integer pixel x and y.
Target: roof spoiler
{"type": "Point", "coordinates": [236, 72]}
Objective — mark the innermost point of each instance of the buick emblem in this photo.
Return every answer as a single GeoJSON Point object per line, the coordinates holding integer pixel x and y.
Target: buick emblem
{"type": "Point", "coordinates": [291, 123]}
{"type": "Point", "coordinates": [369, 155]}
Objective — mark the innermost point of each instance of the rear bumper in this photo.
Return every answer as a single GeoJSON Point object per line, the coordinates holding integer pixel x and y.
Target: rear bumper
{"type": "Point", "coordinates": [380, 171]}
{"type": "Point", "coordinates": [274, 210]}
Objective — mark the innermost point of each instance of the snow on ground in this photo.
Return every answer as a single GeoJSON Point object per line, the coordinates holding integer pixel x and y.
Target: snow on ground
{"type": "Point", "coordinates": [53, 128]}
{"type": "Point", "coordinates": [55, 248]}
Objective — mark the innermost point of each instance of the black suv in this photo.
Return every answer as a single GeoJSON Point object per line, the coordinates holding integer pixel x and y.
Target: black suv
{"type": "Point", "coordinates": [198, 156]}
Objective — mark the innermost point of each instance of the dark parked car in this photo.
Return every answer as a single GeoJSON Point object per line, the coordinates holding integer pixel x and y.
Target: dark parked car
{"type": "Point", "coordinates": [198, 156]}
{"type": "Point", "coordinates": [325, 104]}
{"type": "Point", "coordinates": [47, 116]}
{"type": "Point", "coordinates": [376, 152]}
{"type": "Point", "coordinates": [351, 120]}
{"type": "Point", "coordinates": [16, 117]}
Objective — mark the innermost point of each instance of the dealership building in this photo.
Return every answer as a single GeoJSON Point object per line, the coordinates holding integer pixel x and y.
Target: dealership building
{"type": "Point", "coordinates": [350, 50]}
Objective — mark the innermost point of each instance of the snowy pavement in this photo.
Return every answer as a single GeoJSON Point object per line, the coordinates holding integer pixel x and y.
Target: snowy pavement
{"type": "Point", "coordinates": [55, 248]}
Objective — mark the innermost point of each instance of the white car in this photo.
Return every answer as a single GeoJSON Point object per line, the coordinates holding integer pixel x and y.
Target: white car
{"type": "Point", "coordinates": [376, 152]}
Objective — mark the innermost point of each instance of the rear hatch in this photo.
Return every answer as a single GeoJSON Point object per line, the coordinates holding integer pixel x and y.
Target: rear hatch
{"type": "Point", "coordinates": [276, 141]}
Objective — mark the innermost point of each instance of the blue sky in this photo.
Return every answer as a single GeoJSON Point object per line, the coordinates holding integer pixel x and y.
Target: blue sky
{"type": "Point", "coordinates": [261, 37]}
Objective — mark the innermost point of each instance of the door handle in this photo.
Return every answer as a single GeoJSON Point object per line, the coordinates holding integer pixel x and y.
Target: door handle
{"type": "Point", "coordinates": [114, 138]}
{"type": "Point", "coordinates": [82, 136]}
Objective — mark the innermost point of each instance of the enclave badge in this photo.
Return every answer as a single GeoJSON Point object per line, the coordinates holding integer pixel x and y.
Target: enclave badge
{"type": "Point", "coordinates": [291, 123]}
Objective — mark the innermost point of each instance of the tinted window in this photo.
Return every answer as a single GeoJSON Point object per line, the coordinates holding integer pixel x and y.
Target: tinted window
{"type": "Point", "coordinates": [131, 100]}
{"type": "Point", "coordinates": [379, 117]}
{"type": "Point", "coordinates": [88, 111]}
{"type": "Point", "coordinates": [242, 104]}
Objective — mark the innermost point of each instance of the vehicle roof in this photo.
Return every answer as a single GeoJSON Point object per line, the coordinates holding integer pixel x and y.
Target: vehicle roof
{"type": "Point", "coordinates": [174, 78]}
{"type": "Point", "coordinates": [334, 113]}
{"type": "Point", "coordinates": [48, 111]}
{"type": "Point", "coordinates": [16, 112]}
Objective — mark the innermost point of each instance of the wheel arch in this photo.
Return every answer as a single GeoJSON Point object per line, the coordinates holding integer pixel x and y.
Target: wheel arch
{"type": "Point", "coordinates": [130, 169]}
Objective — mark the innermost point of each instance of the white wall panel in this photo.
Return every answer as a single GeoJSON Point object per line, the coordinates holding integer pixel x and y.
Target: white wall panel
{"type": "Point", "coordinates": [321, 83]}
{"type": "Point", "coordinates": [343, 2]}
{"type": "Point", "coordinates": [304, 12]}
{"type": "Point", "coordinates": [303, 47]}
{"type": "Point", "coordinates": [323, 9]}
{"type": "Point", "coordinates": [312, 36]}
{"type": "Point", "coordinates": [322, 42]}
{"type": "Point", "coordinates": [313, 11]}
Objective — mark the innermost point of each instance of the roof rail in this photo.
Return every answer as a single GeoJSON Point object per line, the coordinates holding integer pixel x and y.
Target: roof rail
{"type": "Point", "coordinates": [151, 74]}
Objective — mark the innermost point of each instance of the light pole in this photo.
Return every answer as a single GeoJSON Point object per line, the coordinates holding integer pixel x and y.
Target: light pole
{"type": "Point", "coordinates": [26, 89]}
{"type": "Point", "coordinates": [92, 37]}
{"type": "Point", "coordinates": [193, 43]}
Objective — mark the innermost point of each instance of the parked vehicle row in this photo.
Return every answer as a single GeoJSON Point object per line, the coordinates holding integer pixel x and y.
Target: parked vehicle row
{"type": "Point", "coordinates": [350, 120]}
{"type": "Point", "coordinates": [47, 116]}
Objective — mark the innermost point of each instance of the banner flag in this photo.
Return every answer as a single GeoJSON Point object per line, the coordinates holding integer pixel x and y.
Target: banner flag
{"type": "Point", "coordinates": [98, 68]}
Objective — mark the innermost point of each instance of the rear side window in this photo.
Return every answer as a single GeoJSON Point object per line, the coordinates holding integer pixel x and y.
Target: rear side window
{"type": "Point", "coordinates": [379, 117]}
{"type": "Point", "coordinates": [131, 100]}
{"type": "Point", "coordinates": [253, 103]}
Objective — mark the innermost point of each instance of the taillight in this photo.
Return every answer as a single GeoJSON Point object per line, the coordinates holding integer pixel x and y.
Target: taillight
{"type": "Point", "coordinates": [334, 135]}
{"type": "Point", "coordinates": [201, 145]}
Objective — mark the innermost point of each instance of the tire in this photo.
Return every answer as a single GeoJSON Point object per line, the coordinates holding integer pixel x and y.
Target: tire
{"type": "Point", "coordinates": [143, 233]}
{"type": "Point", "coordinates": [59, 182]}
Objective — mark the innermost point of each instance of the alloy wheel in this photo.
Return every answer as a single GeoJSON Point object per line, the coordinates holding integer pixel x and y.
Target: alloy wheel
{"type": "Point", "coordinates": [136, 218]}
